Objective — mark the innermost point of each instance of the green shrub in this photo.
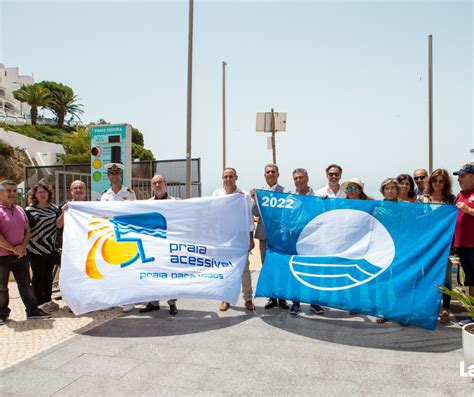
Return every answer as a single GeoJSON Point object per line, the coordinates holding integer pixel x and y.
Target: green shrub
{"type": "Point", "coordinates": [5, 149]}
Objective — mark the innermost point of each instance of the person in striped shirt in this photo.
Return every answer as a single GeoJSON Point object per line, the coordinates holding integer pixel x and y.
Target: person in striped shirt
{"type": "Point", "coordinates": [44, 218]}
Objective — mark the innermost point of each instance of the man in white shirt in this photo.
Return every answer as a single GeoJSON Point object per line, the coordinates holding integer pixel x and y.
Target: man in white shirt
{"type": "Point", "coordinates": [333, 188]}
{"type": "Point", "coordinates": [420, 176]}
{"type": "Point", "coordinates": [229, 178]}
{"type": "Point", "coordinates": [117, 192]}
{"type": "Point", "coordinates": [300, 178]}
{"type": "Point", "coordinates": [160, 192]}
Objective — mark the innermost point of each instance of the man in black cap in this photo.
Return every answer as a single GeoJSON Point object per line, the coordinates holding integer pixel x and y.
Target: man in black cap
{"type": "Point", "coordinates": [464, 232]}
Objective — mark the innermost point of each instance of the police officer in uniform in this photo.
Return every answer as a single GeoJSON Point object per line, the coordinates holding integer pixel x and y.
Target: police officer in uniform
{"type": "Point", "coordinates": [117, 192]}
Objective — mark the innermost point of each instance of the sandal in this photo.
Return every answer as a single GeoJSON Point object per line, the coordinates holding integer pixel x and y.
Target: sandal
{"type": "Point", "coordinates": [444, 318]}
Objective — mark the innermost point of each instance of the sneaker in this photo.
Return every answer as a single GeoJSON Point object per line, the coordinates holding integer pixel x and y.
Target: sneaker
{"type": "Point", "coordinates": [295, 309]}
{"type": "Point", "coordinates": [38, 313]}
{"type": "Point", "coordinates": [3, 320]}
{"type": "Point", "coordinates": [316, 309]}
{"type": "Point", "coordinates": [150, 307]}
{"type": "Point", "coordinates": [173, 310]}
{"type": "Point", "coordinates": [466, 321]}
{"type": "Point", "coordinates": [49, 307]}
{"type": "Point", "coordinates": [127, 308]}
{"type": "Point", "coordinates": [271, 303]}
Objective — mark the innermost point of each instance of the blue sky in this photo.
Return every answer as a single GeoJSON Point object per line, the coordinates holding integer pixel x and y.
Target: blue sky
{"type": "Point", "coordinates": [352, 76]}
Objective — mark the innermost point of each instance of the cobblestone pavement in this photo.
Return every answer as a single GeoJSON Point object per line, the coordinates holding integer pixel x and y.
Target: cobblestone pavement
{"type": "Point", "coordinates": [21, 339]}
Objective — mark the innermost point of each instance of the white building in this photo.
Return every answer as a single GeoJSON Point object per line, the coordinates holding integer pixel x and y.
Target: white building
{"type": "Point", "coordinates": [11, 80]}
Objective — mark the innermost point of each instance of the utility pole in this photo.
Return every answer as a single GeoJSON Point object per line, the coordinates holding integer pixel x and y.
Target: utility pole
{"type": "Point", "coordinates": [189, 101]}
{"type": "Point", "coordinates": [273, 138]}
{"type": "Point", "coordinates": [430, 103]}
{"type": "Point", "coordinates": [224, 64]}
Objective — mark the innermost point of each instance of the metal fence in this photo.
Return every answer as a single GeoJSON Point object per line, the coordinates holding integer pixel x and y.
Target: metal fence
{"type": "Point", "coordinates": [60, 177]}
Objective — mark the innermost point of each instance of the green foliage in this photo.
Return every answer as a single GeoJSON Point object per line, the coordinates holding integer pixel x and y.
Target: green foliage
{"type": "Point", "coordinates": [62, 101]}
{"type": "Point", "coordinates": [137, 137]}
{"type": "Point", "coordinates": [77, 147]}
{"type": "Point", "coordinates": [34, 95]}
{"type": "Point", "coordinates": [40, 132]}
{"type": "Point", "coordinates": [139, 152]}
{"type": "Point", "coordinates": [52, 86]}
{"type": "Point", "coordinates": [466, 300]}
{"type": "Point", "coordinates": [5, 149]}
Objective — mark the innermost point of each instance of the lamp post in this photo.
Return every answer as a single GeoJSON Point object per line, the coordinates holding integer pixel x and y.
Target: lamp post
{"type": "Point", "coordinates": [430, 103]}
{"type": "Point", "coordinates": [189, 100]}
{"type": "Point", "coordinates": [224, 64]}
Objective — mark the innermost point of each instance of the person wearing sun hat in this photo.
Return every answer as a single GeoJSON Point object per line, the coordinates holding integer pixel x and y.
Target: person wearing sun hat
{"type": "Point", "coordinates": [117, 192]}
{"type": "Point", "coordinates": [464, 231]}
{"type": "Point", "coordinates": [354, 189]}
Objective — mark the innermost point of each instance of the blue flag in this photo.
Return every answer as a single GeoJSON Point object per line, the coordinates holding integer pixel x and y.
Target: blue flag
{"type": "Point", "coordinates": [378, 258]}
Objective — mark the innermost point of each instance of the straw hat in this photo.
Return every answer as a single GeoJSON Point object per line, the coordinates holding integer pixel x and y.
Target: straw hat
{"type": "Point", "coordinates": [355, 181]}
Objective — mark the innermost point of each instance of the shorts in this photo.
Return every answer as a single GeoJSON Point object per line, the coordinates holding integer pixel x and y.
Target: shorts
{"type": "Point", "coordinates": [466, 256]}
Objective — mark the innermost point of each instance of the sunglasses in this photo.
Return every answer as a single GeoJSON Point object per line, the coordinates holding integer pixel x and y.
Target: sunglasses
{"type": "Point", "coordinates": [436, 181]}
{"type": "Point", "coordinates": [419, 178]}
{"type": "Point", "coordinates": [336, 174]}
{"type": "Point", "coordinates": [351, 188]}
{"type": "Point", "coordinates": [270, 172]}
{"type": "Point", "coordinates": [113, 173]}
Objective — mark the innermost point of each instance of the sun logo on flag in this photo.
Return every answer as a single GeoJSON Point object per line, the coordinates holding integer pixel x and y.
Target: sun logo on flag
{"type": "Point", "coordinates": [117, 246]}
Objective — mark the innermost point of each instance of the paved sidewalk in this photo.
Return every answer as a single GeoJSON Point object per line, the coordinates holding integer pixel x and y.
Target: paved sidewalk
{"type": "Point", "coordinates": [202, 351]}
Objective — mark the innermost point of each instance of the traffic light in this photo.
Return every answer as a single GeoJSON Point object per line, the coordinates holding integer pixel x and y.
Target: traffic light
{"type": "Point", "coordinates": [95, 151]}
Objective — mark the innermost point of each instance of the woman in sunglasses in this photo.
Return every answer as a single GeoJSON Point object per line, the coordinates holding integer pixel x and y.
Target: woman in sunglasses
{"type": "Point", "coordinates": [439, 190]}
{"type": "Point", "coordinates": [407, 188]}
{"type": "Point", "coordinates": [354, 189]}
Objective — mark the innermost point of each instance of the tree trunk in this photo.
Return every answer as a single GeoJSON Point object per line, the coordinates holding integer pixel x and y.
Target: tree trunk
{"type": "Point", "coordinates": [34, 115]}
{"type": "Point", "coordinates": [61, 116]}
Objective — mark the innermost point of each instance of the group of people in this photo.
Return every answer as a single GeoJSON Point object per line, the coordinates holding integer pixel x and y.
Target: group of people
{"type": "Point", "coordinates": [31, 236]}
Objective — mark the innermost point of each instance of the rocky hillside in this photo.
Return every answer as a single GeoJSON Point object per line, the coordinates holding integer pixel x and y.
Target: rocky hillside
{"type": "Point", "coordinates": [12, 162]}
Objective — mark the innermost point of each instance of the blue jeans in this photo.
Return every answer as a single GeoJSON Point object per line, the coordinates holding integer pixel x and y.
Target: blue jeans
{"type": "Point", "coordinates": [21, 270]}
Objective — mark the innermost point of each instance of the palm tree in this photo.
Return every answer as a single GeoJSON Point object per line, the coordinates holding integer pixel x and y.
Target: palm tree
{"type": "Point", "coordinates": [34, 95]}
{"type": "Point", "coordinates": [64, 102]}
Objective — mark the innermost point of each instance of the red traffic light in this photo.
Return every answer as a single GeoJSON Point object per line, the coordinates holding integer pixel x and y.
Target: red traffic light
{"type": "Point", "coordinates": [95, 151]}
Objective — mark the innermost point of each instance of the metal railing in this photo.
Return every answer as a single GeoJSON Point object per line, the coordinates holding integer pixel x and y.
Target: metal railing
{"type": "Point", "coordinates": [60, 177]}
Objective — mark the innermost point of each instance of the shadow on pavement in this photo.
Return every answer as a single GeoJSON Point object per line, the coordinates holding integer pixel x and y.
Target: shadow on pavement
{"type": "Point", "coordinates": [160, 323]}
{"type": "Point", "coordinates": [336, 326]}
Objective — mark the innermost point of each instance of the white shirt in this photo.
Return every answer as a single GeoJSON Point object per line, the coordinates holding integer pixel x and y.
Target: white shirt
{"type": "Point", "coordinates": [327, 191]}
{"type": "Point", "coordinates": [221, 192]}
{"type": "Point", "coordinates": [123, 194]}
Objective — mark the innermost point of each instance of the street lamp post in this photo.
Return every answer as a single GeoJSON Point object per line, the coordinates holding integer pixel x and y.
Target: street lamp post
{"type": "Point", "coordinates": [224, 64]}
{"type": "Point", "coordinates": [189, 100]}
{"type": "Point", "coordinates": [430, 103]}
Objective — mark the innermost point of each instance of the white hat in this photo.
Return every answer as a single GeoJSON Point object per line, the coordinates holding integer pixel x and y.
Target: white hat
{"type": "Point", "coordinates": [355, 181]}
{"type": "Point", "coordinates": [114, 166]}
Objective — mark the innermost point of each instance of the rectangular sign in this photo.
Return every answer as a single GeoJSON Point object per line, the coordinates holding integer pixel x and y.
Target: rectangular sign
{"type": "Point", "coordinates": [373, 257]}
{"type": "Point", "coordinates": [122, 252]}
{"type": "Point", "coordinates": [109, 144]}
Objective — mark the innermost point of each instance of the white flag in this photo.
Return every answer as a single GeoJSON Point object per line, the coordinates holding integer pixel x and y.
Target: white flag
{"type": "Point", "coordinates": [117, 253]}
